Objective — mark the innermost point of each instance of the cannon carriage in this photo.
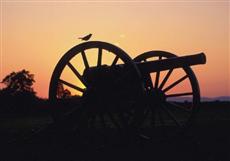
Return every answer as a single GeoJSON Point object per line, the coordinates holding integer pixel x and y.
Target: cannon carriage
{"type": "Point", "coordinates": [110, 90]}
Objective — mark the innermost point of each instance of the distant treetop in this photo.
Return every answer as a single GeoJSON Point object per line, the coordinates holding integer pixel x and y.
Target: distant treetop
{"type": "Point", "coordinates": [19, 82]}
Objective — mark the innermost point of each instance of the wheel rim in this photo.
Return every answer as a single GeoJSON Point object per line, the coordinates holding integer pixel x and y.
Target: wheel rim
{"type": "Point", "coordinates": [94, 116]}
{"type": "Point", "coordinates": [164, 109]}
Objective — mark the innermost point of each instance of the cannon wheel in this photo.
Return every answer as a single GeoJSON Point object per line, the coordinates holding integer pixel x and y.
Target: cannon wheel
{"type": "Point", "coordinates": [163, 109]}
{"type": "Point", "coordinates": [77, 110]}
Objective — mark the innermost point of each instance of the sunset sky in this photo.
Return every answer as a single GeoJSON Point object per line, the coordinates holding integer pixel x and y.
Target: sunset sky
{"type": "Point", "coordinates": [35, 34]}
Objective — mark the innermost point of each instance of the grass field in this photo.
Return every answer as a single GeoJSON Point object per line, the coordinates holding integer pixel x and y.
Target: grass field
{"type": "Point", "coordinates": [208, 139]}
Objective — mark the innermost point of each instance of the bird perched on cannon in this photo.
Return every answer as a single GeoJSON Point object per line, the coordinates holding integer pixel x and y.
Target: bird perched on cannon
{"type": "Point", "coordinates": [85, 38]}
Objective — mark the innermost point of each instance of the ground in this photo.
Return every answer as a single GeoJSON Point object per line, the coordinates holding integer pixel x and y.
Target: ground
{"type": "Point", "coordinates": [208, 139]}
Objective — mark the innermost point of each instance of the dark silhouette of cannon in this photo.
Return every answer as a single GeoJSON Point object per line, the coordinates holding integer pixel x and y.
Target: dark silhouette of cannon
{"type": "Point", "coordinates": [156, 89]}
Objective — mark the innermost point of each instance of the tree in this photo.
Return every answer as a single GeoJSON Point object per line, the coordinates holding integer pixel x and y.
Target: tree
{"type": "Point", "coordinates": [61, 92]}
{"type": "Point", "coordinates": [19, 82]}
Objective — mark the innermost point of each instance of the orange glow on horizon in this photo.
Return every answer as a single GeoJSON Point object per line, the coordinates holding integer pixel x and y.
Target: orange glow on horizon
{"type": "Point", "coordinates": [35, 35]}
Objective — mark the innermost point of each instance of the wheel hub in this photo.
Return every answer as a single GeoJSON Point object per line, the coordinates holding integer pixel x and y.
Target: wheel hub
{"type": "Point", "coordinates": [156, 95]}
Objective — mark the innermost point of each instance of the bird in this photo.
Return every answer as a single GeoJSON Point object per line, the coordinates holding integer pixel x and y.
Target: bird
{"type": "Point", "coordinates": [85, 38]}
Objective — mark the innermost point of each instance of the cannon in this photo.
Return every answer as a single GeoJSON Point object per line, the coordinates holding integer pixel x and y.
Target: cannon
{"type": "Point", "coordinates": [98, 85]}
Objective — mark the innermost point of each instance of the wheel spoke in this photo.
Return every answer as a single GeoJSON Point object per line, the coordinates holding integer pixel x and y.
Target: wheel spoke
{"type": "Point", "coordinates": [165, 78]}
{"type": "Point", "coordinates": [115, 60]}
{"type": "Point", "coordinates": [146, 113]}
{"type": "Point", "coordinates": [150, 113]}
{"type": "Point", "coordinates": [153, 117]}
{"type": "Point", "coordinates": [182, 108]}
{"type": "Point", "coordinates": [129, 113]}
{"type": "Point", "coordinates": [157, 76]}
{"type": "Point", "coordinates": [160, 116]}
{"type": "Point", "coordinates": [123, 120]}
{"type": "Point", "coordinates": [72, 86]}
{"type": "Point", "coordinates": [85, 59]}
{"type": "Point", "coordinates": [179, 94]}
{"type": "Point", "coordinates": [99, 57]}
{"type": "Point", "coordinates": [148, 82]}
{"type": "Point", "coordinates": [92, 121]}
{"type": "Point", "coordinates": [113, 120]}
{"type": "Point", "coordinates": [77, 73]}
{"type": "Point", "coordinates": [175, 83]}
{"type": "Point", "coordinates": [83, 120]}
{"type": "Point", "coordinates": [171, 115]}
{"type": "Point", "coordinates": [102, 119]}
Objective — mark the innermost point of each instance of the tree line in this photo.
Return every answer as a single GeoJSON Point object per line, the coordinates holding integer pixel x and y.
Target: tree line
{"type": "Point", "coordinates": [18, 95]}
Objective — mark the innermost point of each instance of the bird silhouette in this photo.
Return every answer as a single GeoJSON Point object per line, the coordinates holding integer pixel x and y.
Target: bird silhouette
{"type": "Point", "coordinates": [85, 38]}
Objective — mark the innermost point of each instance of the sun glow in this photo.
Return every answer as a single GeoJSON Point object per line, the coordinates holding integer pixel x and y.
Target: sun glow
{"type": "Point", "coordinates": [36, 35]}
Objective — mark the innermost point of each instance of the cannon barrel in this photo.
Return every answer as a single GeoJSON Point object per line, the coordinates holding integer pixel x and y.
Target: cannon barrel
{"type": "Point", "coordinates": [174, 62]}
{"type": "Point", "coordinates": [149, 66]}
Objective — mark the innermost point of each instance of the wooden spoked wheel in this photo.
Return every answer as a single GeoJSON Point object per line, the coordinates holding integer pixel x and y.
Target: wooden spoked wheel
{"type": "Point", "coordinates": [88, 105]}
{"type": "Point", "coordinates": [172, 96]}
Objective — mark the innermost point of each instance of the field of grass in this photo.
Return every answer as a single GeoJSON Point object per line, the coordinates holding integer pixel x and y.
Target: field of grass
{"type": "Point", "coordinates": [208, 139]}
